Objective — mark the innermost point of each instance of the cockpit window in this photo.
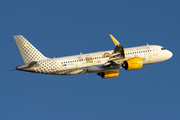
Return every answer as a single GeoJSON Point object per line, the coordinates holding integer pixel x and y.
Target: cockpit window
{"type": "Point", "coordinates": [162, 48]}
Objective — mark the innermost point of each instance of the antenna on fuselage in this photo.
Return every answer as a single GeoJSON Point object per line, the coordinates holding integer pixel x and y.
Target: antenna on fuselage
{"type": "Point", "coordinates": [147, 44]}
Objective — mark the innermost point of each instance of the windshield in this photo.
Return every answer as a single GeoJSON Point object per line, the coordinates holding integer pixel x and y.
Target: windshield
{"type": "Point", "coordinates": [162, 48]}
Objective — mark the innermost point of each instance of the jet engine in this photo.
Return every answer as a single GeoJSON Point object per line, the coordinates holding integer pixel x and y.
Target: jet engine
{"type": "Point", "coordinates": [133, 63]}
{"type": "Point", "coordinates": [109, 73]}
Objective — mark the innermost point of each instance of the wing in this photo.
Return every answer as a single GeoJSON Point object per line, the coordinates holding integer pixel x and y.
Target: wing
{"type": "Point", "coordinates": [117, 56]}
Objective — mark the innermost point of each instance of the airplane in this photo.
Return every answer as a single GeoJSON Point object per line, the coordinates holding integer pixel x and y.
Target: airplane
{"type": "Point", "coordinates": [105, 63]}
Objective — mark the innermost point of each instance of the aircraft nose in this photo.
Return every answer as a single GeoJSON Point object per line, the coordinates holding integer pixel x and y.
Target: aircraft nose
{"type": "Point", "coordinates": [169, 54]}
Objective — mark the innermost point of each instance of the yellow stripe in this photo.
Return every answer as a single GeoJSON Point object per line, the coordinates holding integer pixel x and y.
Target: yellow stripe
{"type": "Point", "coordinates": [114, 40]}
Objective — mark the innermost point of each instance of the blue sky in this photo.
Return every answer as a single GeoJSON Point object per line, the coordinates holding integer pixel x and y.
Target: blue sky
{"type": "Point", "coordinates": [62, 28]}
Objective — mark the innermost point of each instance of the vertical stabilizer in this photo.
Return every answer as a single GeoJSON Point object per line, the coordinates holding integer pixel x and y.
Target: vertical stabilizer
{"type": "Point", "coordinates": [28, 52]}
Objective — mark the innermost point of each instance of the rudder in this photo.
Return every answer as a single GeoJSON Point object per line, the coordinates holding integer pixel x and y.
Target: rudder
{"type": "Point", "coordinates": [28, 52]}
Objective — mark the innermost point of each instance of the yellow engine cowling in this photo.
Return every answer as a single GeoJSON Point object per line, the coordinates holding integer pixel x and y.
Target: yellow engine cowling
{"type": "Point", "coordinates": [109, 73]}
{"type": "Point", "coordinates": [133, 63]}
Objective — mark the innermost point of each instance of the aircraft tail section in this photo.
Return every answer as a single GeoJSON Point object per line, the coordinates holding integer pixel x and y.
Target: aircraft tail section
{"type": "Point", "coordinates": [28, 52]}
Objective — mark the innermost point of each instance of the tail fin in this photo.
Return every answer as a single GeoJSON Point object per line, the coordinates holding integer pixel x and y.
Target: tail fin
{"type": "Point", "coordinates": [28, 52]}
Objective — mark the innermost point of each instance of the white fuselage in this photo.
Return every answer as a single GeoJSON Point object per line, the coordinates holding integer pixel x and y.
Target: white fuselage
{"type": "Point", "coordinates": [92, 62]}
{"type": "Point", "coordinates": [105, 63]}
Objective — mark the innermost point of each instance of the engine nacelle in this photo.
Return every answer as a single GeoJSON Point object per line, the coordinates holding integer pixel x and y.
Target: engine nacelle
{"type": "Point", "coordinates": [133, 63]}
{"type": "Point", "coordinates": [109, 73]}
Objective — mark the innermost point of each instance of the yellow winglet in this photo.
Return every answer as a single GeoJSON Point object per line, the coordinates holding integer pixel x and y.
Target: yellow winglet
{"type": "Point", "coordinates": [114, 40]}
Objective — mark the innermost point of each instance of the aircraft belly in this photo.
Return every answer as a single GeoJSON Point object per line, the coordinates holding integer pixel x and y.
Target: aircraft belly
{"type": "Point", "coordinates": [74, 71]}
{"type": "Point", "coordinates": [94, 69]}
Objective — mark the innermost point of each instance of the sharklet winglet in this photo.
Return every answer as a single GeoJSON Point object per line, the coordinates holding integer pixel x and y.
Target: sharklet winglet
{"type": "Point", "coordinates": [114, 40]}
